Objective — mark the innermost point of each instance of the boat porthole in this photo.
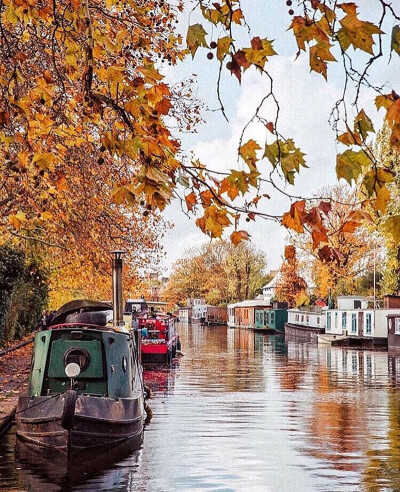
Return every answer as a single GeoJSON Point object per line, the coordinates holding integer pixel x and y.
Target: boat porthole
{"type": "Point", "coordinates": [79, 356]}
{"type": "Point", "coordinates": [124, 363]}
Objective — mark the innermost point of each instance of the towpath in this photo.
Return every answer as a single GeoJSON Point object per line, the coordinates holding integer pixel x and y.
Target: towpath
{"type": "Point", "coordinates": [14, 371]}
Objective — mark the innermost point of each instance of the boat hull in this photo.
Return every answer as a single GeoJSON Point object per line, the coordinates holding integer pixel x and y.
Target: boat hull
{"type": "Point", "coordinates": [96, 422]}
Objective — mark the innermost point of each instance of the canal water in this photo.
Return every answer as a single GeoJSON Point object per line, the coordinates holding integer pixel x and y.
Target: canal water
{"type": "Point", "coordinates": [242, 411]}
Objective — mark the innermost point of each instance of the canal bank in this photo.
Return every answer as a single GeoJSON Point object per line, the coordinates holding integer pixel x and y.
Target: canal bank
{"type": "Point", "coordinates": [14, 372]}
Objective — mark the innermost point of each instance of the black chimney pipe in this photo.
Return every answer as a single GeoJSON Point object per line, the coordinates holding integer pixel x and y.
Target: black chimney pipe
{"type": "Point", "coordinates": [118, 302]}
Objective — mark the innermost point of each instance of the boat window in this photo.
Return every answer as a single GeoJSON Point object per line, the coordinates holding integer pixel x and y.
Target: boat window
{"type": "Point", "coordinates": [397, 325]}
{"type": "Point", "coordinates": [368, 321]}
{"type": "Point", "coordinates": [344, 320]}
{"type": "Point", "coordinates": [353, 323]}
{"type": "Point", "coordinates": [79, 356]}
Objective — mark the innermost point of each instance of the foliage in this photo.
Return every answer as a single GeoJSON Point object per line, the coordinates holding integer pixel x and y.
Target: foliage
{"type": "Point", "coordinates": [346, 252]}
{"type": "Point", "coordinates": [330, 32]}
{"type": "Point", "coordinates": [23, 293]}
{"type": "Point", "coordinates": [88, 131]}
{"type": "Point", "coordinates": [291, 287]}
{"type": "Point", "coordinates": [219, 272]}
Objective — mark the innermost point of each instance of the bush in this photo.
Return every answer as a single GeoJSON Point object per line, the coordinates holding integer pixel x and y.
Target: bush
{"type": "Point", "coordinates": [23, 294]}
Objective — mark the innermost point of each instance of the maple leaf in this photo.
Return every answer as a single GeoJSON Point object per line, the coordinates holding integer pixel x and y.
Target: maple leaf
{"type": "Point", "coordinates": [248, 152]}
{"type": "Point", "coordinates": [350, 138]}
{"type": "Point", "coordinates": [319, 56]}
{"type": "Point", "coordinates": [238, 236]}
{"type": "Point", "coordinates": [190, 201]}
{"type": "Point", "coordinates": [392, 227]}
{"type": "Point", "coordinates": [354, 31]}
{"type": "Point", "coordinates": [395, 42]}
{"type": "Point", "coordinates": [349, 165]}
{"type": "Point", "coordinates": [363, 124]}
{"type": "Point", "coordinates": [290, 253]}
{"type": "Point", "coordinates": [213, 221]}
{"type": "Point", "coordinates": [295, 217]}
{"type": "Point", "coordinates": [196, 36]}
{"type": "Point", "coordinates": [350, 226]}
{"type": "Point", "coordinates": [384, 101]}
{"type": "Point", "coordinates": [223, 47]}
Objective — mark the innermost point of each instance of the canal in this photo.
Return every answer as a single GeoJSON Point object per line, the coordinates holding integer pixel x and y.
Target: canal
{"type": "Point", "coordinates": [243, 411]}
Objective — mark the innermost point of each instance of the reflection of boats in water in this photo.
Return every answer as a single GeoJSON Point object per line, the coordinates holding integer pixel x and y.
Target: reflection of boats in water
{"type": "Point", "coordinates": [48, 471]}
{"type": "Point", "coordinates": [159, 379]}
{"type": "Point", "coordinates": [85, 388]}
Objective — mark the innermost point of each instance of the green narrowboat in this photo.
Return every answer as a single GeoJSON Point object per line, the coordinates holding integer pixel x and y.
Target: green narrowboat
{"type": "Point", "coordinates": [85, 388]}
{"type": "Point", "coordinates": [101, 404]}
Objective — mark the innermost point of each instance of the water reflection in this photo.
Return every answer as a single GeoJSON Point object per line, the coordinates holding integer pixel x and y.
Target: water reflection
{"type": "Point", "coordinates": [244, 410]}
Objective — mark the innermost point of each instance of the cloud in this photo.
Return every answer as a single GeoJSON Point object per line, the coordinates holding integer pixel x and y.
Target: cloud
{"type": "Point", "coordinates": [304, 113]}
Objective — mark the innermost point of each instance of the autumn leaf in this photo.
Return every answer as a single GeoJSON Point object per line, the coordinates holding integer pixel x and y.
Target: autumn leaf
{"type": "Point", "coordinates": [17, 219]}
{"type": "Point", "coordinates": [350, 164]}
{"type": "Point", "coordinates": [213, 221]}
{"type": "Point", "coordinates": [395, 43]}
{"type": "Point", "coordinates": [290, 253]}
{"type": "Point", "coordinates": [354, 31]}
{"type": "Point", "coordinates": [238, 236]}
{"type": "Point", "coordinates": [196, 36]}
{"type": "Point", "coordinates": [190, 201]}
{"type": "Point", "coordinates": [392, 227]}
{"type": "Point", "coordinates": [223, 47]}
{"type": "Point", "coordinates": [295, 217]}
{"type": "Point", "coordinates": [363, 125]}
{"type": "Point", "coordinates": [350, 226]}
{"type": "Point", "coordinates": [248, 152]}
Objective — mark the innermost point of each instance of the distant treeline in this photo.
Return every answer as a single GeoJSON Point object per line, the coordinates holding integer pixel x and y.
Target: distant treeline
{"type": "Point", "coordinates": [23, 294]}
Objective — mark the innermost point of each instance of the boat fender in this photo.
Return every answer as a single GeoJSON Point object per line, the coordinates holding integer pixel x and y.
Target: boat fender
{"type": "Point", "coordinates": [147, 390]}
{"type": "Point", "coordinates": [180, 353]}
{"type": "Point", "coordinates": [178, 345]}
{"type": "Point", "coordinates": [67, 419]}
{"type": "Point", "coordinates": [149, 412]}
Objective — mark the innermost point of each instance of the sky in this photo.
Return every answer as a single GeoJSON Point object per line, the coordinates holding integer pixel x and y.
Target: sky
{"type": "Point", "coordinates": [305, 100]}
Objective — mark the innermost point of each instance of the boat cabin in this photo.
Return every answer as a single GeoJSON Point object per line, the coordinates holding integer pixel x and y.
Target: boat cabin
{"type": "Point", "coordinates": [393, 323]}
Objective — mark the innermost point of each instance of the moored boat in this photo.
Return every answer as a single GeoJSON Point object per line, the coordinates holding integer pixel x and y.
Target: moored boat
{"type": "Point", "coordinates": [159, 340]}
{"type": "Point", "coordinates": [85, 388]}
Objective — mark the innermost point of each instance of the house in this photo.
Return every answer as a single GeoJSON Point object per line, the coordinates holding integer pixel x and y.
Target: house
{"type": "Point", "coordinates": [268, 291]}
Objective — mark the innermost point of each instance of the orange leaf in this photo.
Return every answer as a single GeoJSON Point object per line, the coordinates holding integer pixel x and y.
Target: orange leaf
{"type": "Point", "coordinates": [238, 236]}
{"type": "Point", "coordinates": [190, 201]}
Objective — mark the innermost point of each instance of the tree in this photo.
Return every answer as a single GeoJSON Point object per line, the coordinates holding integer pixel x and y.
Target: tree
{"type": "Point", "coordinates": [219, 272]}
{"type": "Point", "coordinates": [89, 127]}
{"type": "Point", "coordinates": [291, 287]}
{"type": "Point", "coordinates": [390, 159]}
{"type": "Point", "coordinates": [23, 293]}
{"type": "Point", "coordinates": [346, 251]}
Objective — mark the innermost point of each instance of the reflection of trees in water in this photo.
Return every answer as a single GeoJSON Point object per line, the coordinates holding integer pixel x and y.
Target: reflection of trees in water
{"type": "Point", "coordinates": [383, 465]}
{"type": "Point", "coordinates": [336, 419]}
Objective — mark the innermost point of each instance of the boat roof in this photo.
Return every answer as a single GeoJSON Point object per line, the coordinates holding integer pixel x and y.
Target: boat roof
{"type": "Point", "coordinates": [77, 306]}
{"type": "Point", "coordinates": [252, 303]}
{"type": "Point", "coordinates": [138, 301]}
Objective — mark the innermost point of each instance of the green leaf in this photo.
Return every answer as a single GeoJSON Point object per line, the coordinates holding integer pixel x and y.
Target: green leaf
{"type": "Point", "coordinates": [196, 36]}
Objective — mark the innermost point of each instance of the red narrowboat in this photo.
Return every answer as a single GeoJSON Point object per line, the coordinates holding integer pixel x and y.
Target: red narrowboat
{"type": "Point", "coordinates": [159, 341]}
